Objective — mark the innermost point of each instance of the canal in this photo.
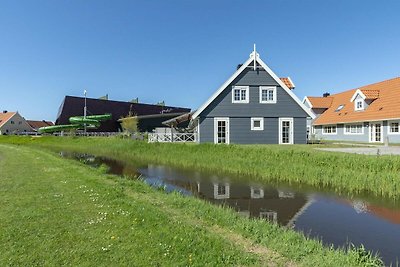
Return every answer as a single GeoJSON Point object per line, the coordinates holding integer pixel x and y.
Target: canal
{"type": "Point", "coordinates": [334, 219]}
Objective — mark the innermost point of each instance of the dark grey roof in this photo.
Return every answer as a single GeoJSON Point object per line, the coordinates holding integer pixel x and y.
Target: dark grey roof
{"type": "Point", "coordinates": [73, 106]}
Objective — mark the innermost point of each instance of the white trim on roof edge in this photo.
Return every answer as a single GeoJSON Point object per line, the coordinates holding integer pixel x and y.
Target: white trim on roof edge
{"type": "Point", "coordinates": [223, 86]}
{"type": "Point", "coordinates": [290, 80]}
{"type": "Point", "coordinates": [240, 70]}
{"type": "Point", "coordinates": [358, 92]}
{"type": "Point", "coordinates": [15, 113]}
{"type": "Point", "coordinates": [305, 99]}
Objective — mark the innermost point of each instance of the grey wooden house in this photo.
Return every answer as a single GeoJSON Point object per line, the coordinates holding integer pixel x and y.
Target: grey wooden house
{"type": "Point", "coordinates": [253, 106]}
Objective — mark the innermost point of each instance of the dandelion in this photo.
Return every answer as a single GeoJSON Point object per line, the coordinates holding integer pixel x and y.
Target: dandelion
{"type": "Point", "coordinates": [107, 248]}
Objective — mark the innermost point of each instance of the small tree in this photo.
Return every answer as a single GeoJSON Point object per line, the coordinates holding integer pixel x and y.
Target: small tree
{"type": "Point", "coordinates": [130, 124]}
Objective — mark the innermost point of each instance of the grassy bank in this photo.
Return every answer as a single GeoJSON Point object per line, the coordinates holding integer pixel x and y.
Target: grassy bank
{"type": "Point", "coordinates": [60, 212]}
{"type": "Point", "coordinates": [341, 172]}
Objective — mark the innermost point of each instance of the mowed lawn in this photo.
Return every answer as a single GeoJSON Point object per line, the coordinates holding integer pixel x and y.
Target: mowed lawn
{"type": "Point", "coordinates": [59, 212]}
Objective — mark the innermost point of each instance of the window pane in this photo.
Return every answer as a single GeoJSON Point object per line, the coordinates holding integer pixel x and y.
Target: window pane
{"type": "Point", "coordinates": [256, 124]}
{"type": "Point", "coordinates": [237, 94]}
{"type": "Point", "coordinates": [394, 127]}
{"type": "Point", "coordinates": [264, 95]}
{"type": "Point", "coordinates": [243, 95]}
{"type": "Point", "coordinates": [271, 95]}
{"type": "Point", "coordinates": [221, 189]}
{"type": "Point", "coordinates": [267, 95]}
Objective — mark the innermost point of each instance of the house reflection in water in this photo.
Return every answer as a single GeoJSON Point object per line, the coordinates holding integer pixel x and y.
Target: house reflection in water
{"type": "Point", "coordinates": [250, 200]}
{"type": "Point", "coordinates": [255, 201]}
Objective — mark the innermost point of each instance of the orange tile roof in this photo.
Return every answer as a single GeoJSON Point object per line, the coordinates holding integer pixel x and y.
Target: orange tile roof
{"type": "Point", "coordinates": [385, 106]}
{"type": "Point", "coordinates": [370, 94]}
{"type": "Point", "coordinates": [4, 117]}
{"type": "Point", "coordinates": [390, 215]}
{"type": "Point", "coordinates": [288, 82]}
{"type": "Point", "coordinates": [320, 102]}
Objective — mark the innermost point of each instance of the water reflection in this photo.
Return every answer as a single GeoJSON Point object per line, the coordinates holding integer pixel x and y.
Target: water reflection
{"type": "Point", "coordinates": [250, 200]}
{"type": "Point", "coordinates": [333, 219]}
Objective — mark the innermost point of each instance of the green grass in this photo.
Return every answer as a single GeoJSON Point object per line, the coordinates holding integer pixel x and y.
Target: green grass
{"type": "Point", "coordinates": [60, 212]}
{"type": "Point", "coordinates": [296, 164]}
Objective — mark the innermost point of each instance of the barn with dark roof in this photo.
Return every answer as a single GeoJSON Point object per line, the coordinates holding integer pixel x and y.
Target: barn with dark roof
{"type": "Point", "coordinates": [73, 106]}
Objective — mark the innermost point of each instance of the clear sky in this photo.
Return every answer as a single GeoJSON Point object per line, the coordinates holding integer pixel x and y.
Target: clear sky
{"type": "Point", "coordinates": [182, 51]}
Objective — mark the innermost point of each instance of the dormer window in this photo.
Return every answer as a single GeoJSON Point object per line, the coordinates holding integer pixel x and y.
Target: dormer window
{"type": "Point", "coordinates": [359, 104]}
{"type": "Point", "coordinates": [240, 94]}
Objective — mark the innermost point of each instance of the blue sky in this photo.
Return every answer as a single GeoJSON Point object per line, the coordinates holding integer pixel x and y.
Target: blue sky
{"type": "Point", "coordinates": [182, 51]}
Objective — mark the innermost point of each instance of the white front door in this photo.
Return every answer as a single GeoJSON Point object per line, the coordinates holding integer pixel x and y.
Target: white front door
{"type": "Point", "coordinates": [375, 132]}
{"type": "Point", "coordinates": [221, 130]}
{"type": "Point", "coordinates": [285, 130]}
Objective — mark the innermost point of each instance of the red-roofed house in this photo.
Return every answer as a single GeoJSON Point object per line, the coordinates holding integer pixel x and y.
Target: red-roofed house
{"type": "Point", "coordinates": [13, 123]}
{"type": "Point", "coordinates": [38, 124]}
{"type": "Point", "coordinates": [366, 114]}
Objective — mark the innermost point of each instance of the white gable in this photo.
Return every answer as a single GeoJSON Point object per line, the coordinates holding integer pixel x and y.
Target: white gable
{"type": "Point", "coordinates": [357, 92]}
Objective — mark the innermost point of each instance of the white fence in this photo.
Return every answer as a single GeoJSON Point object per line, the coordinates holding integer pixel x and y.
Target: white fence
{"type": "Point", "coordinates": [80, 133]}
{"type": "Point", "coordinates": [172, 137]}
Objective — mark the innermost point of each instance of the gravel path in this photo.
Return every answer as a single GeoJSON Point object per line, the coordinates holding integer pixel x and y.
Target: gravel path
{"type": "Point", "coordinates": [377, 150]}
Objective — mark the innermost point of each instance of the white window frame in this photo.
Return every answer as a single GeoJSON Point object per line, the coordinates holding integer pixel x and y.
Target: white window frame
{"type": "Point", "coordinates": [356, 108]}
{"type": "Point", "coordinates": [226, 188]}
{"type": "Point", "coordinates": [370, 127]}
{"type": "Point", "coordinates": [268, 88]}
{"type": "Point", "coordinates": [261, 128]}
{"type": "Point", "coordinates": [389, 131]}
{"type": "Point", "coordinates": [285, 194]}
{"type": "Point", "coordinates": [241, 101]}
{"type": "Point", "coordinates": [354, 125]}
{"type": "Point", "coordinates": [291, 131]}
{"type": "Point", "coordinates": [227, 125]}
{"type": "Point", "coordinates": [256, 192]}
{"type": "Point", "coordinates": [331, 133]}
{"type": "Point", "coordinates": [271, 216]}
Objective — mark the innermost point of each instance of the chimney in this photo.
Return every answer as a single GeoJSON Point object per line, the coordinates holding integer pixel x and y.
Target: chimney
{"type": "Point", "coordinates": [326, 94]}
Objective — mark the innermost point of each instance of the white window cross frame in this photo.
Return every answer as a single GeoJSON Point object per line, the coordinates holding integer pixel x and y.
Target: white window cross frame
{"type": "Point", "coordinates": [350, 129]}
{"type": "Point", "coordinates": [393, 127]}
{"type": "Point", "coordinates": [267, 94]}
{"type": "Point", "coordinates": [359, 104]}
{"type": "Point", "coordinates": [240, 94]}
{"type": "Point", "coordinates": [329, 129]}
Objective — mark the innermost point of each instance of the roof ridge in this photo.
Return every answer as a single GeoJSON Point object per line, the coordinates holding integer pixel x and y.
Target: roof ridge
{"type": "Point", "coordinates": [120, 101]}
{"type": "Point", "coordinates": [375, 83]}
{"type": "Point", "coordinates": [329, 96]}
{"type": "Point", "coordinates": [360, 88]}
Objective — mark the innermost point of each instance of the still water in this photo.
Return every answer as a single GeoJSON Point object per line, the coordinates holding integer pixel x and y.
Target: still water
{"type": "Point", "coordinates": [319, 214]}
